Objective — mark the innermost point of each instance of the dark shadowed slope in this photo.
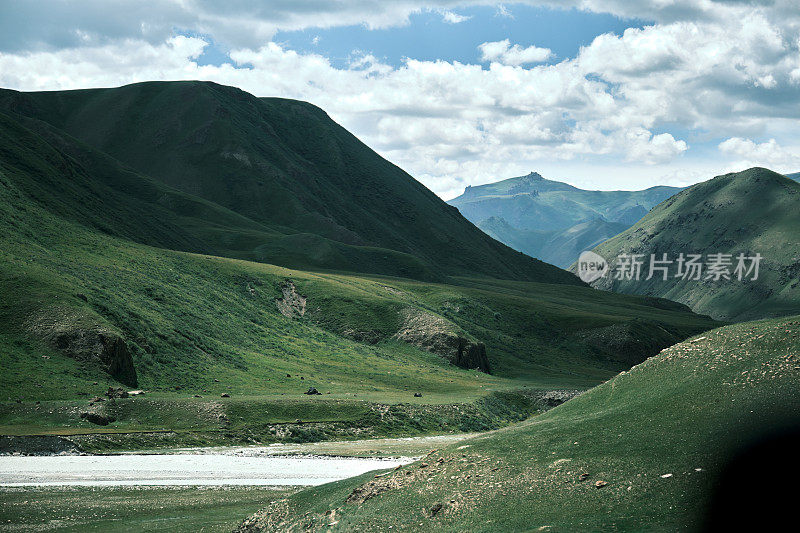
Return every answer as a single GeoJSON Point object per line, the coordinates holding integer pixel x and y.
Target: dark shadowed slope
{"type": "Point", "coordinates": [284, 165]}
{"type": "Point", "coordinates": [84, 185]}
{"type": "Point", "coordinates": [749, 212]}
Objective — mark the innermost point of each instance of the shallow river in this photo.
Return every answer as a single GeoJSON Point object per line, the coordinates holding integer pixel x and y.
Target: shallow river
{"type": "Point", "coordinates": [183, 469]}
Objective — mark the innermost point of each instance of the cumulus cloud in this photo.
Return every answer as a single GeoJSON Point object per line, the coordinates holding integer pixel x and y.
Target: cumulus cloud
{"type": "Point", "coordinates": [453, 18]}
{"type": "Point", "coordinates": [727, 69]}
{"type": "Point", "coordinates": [766, 154]}
{"type": "Point", "coordinates": [504, 52]}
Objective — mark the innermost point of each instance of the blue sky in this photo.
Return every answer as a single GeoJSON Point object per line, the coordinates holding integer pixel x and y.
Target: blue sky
{"type": "Point", "coordinates": [619, 94]}
{"type": "Point", "coordinates": [429, 37]}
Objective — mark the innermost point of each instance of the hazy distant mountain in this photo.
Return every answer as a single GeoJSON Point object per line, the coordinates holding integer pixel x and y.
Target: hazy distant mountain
{"type": "Point", "coordinates": [551, 220]}
{"type": "Point", "coordinates": [559, 247]}
{"type": "Point", "coordinates": [750, 212]}
{"type": "Point", "coordinates": [794, 176]}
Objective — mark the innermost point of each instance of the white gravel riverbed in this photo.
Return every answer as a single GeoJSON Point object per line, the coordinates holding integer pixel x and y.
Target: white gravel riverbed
{"type": "Point", "coordinates": [183, 469]}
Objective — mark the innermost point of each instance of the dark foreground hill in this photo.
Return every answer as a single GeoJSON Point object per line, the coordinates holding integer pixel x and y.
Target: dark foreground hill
{"type": "Point", "coordinates": [307, 193]}
{"type": "Point", "coordinates": [756, 211]}
{"type": "Point", "coordinates": [554, 221]}
{"type": "Point", "coordinates": [642, 452]}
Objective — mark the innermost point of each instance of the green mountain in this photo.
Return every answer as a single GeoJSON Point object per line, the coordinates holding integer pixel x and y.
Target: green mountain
{"type": "Point", "coordinates": [641, 452]}
{"type": "Point", "coordinates": [285, 183]}
{"type": "Point", "coordinates": [554, 221]}
{"type": "Point", "coordinates": [101, 284]}
{"type": "Point", "coordinates": [756, 211]}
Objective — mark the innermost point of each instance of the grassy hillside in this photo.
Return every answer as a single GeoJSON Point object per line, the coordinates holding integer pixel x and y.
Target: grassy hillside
{"type": "Point", "coordinates": [641, 452]}
{"type": "Point", "coordinates": [81, 184]}
{"type": "Point", "coordinates": [308, 193]}
{"type": "Point", "coordinates": [554, 221]}
{"type": "Point", "coordinates": [84, 306]}
{"type": "Point", "coordinates": [184, 315]}
{"type": "Point", "coordinates": [755, 211]}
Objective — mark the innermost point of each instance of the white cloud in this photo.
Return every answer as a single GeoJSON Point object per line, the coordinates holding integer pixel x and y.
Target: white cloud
{"type": "Point", "coordinates": [707, 68]}
{"type": "Point", "coordinates": [451, 17]}
{"type": "Point", "coordinates": [651, 149]}
{"type": "Point", "coordinates": [503, 52]}
{"type": "Point", "coordinates": [503, 11]}
{"type": "Point", "coordinates": [767, 154]}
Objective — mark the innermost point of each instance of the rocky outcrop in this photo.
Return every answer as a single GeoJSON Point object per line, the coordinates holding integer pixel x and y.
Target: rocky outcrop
{"type": "Point", "coordinates": [629, 342]}
{"type": "Point", "coordinates": [471, 354]}
{"type": "Point", "coordinates": [78, 338]}
{"type": "Point", "coordinates": [107, 349]}
{"type": "Point", "coordinates": [97, 418]}
{"type": "Point", "coordinates": [36, 445]}
{"type": "Point", "coordinates": [437, 335]}
{"type": "Point", "coordinates": [292, 304]}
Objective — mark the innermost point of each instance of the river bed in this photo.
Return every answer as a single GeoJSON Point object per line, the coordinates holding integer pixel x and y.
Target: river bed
{"type": "Point", "coordinates": [184, 469]}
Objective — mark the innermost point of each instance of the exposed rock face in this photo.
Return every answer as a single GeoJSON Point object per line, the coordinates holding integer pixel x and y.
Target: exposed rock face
{"type": "Point", "coordinates": [36, 445]}
{"type": "Point", "coordinates": [629, 342]}
{"type": "Point", "coordinates": [471, 355]}
{"type": "Point", "coordinates": [97, 418]}
{"type": "Point", "coordinates": [292, 304]}
{"type": "Point", "coordinates": [437, 335]}
{"type": "Point", "coordinates": [102, 347]}
{"type": "Point", "coordinates": [77, 337]}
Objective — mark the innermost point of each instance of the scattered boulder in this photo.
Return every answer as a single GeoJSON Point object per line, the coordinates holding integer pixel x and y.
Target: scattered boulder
{"type": "Point", "coordinates": [312, 391]}
{"type": "Point", "coordinates": [417, 395]}
{"type": "Point", "coordinates": [600, 484]}
{"type": "Point", "coordinates": [434, 510]}
{"type": "Point", "coordinates": [119, 392]}
{"type": "Point", "coordinates": [97, 418]}
{"type": "Point", "coordinates": [225, 395]}
{"type": "Point", "coordinates": [135, 392]}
